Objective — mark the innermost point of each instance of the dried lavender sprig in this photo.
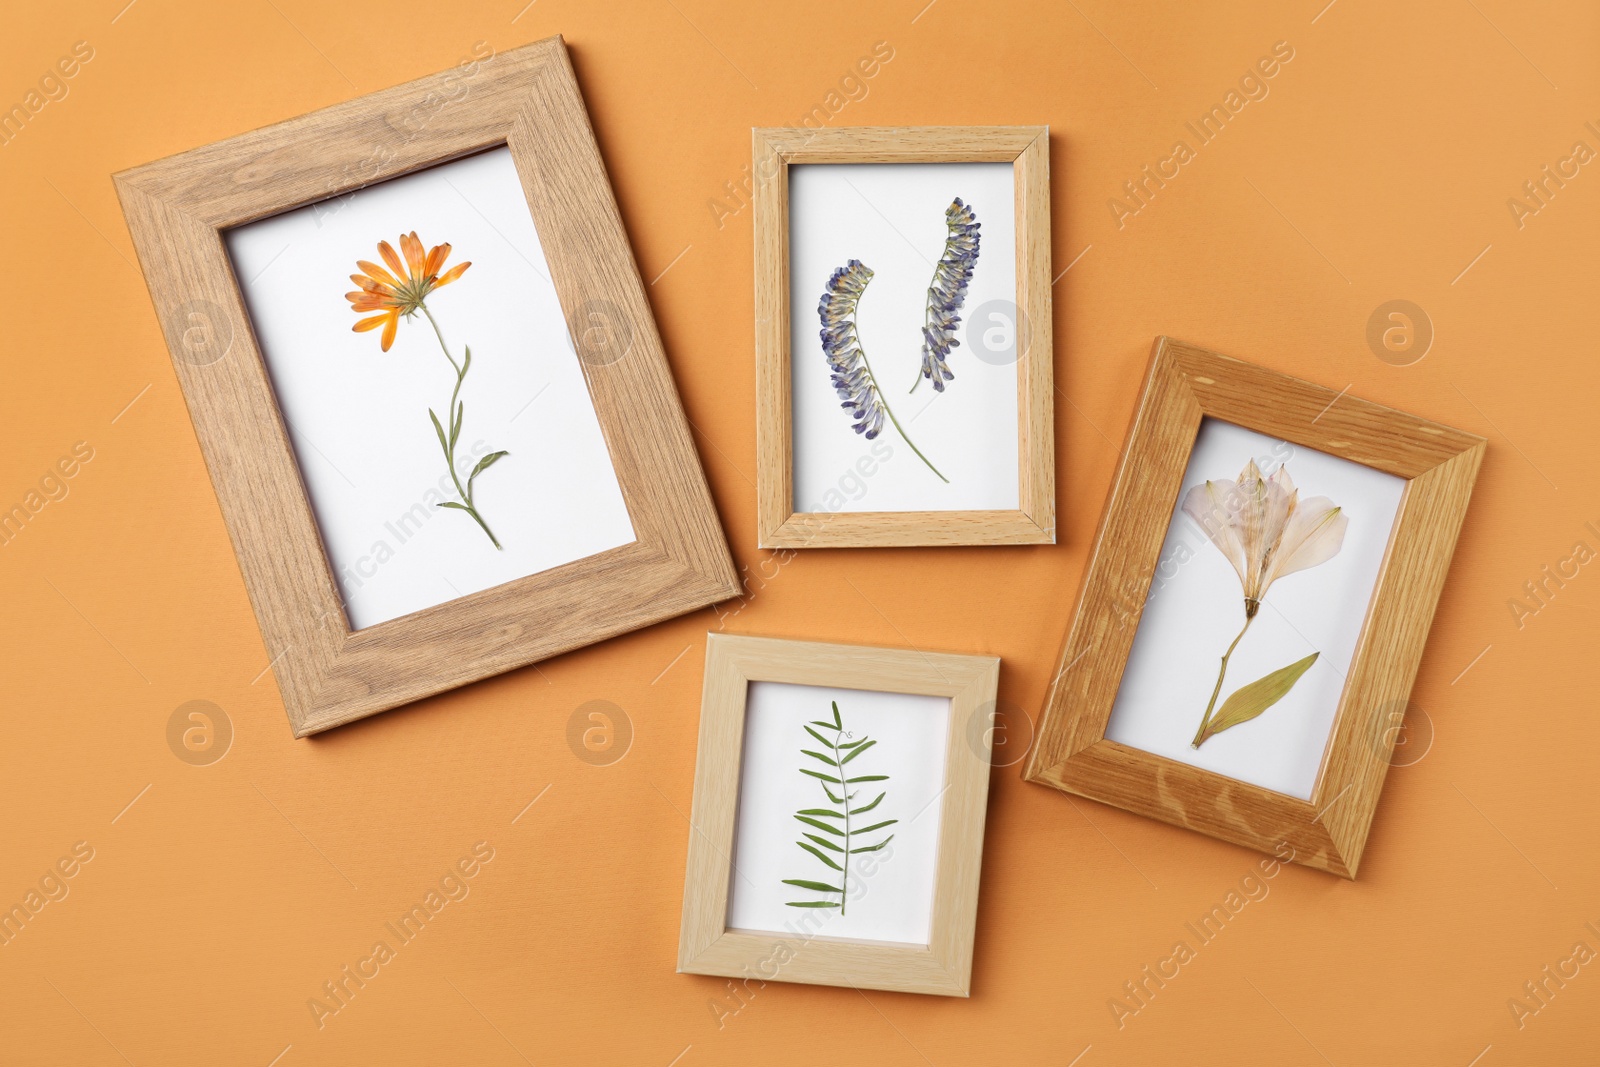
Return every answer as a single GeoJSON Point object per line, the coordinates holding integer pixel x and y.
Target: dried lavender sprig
{"type": "Point", "coordinates": [947, 293]}
{"type": "Point", "coordinates": [852, 374]}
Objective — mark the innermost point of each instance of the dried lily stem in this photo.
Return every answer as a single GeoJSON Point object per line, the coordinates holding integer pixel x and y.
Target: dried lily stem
{"type": "Point", "coordinates": [1205, 723]}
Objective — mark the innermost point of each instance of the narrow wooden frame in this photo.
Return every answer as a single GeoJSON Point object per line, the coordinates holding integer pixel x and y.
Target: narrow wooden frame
{"type": "Point", "coordinates": [707, 946]}
{"type": "Point", "coordinates": [779, 525]}
{"type": "Point", "coordinates": [1185, 384]}
{"type": "Point", "coordinates": [177, 210]}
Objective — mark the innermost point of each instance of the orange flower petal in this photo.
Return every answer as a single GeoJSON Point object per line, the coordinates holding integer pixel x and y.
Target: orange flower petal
{"type": "Point", "coordinates": [371, 286]}
{"type": "Point", "coordinates": [414, 257]}
{"type": "Point", "coordinates": [390, 258]}
{"type": "Point", "coordinates": [452, 274]}
{"type": "Point", "coordinates": [436, 258]}
{"type": "Point", "coordinates": [377, 273]}
{"type": "Point", "coordinates": [388, 331]}
{"type": "Point", "coordinates": [371, 324]}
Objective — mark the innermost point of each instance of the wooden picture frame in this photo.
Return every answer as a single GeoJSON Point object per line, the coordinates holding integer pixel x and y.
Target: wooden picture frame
{"type": "Point", "coordinates": [706, 944]}
{"type": "Point", "coordinates": [1185, 384]}
{"type": "Point", "coordinates": [779, 524]}
{"type": "Point", "coordinates": [177, 211]}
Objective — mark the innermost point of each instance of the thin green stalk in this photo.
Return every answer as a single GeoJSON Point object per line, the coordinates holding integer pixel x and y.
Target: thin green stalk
{"type": "Point", "coordinates": [890, 411]}
{"type": "Point", "coordinates": [844, 791]}
{"type": "Point", "coordinates": [1200, 734]}
{"type": "Point", "coordinates": [448, 443]}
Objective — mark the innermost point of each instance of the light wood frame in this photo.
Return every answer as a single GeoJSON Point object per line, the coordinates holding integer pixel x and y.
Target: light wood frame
{"type": "Point", "coordinates": [779, 525]}
{"type": "Point", "coordinates": [1185, 384]}
{"type": "Point", "coordinates": [178, 209]}
{"type": "Point", "coordinates": [707, 946]}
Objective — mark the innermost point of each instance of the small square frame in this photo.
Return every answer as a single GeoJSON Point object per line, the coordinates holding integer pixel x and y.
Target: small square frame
{"type": "Point", "coordinates": [779, 525]}
{"type": "Point", "coordinates": [944, 966]}
{"type": "Point", "coordinates": [1185, 384]}
{"type": "Point", "coordinates": [528, 100]}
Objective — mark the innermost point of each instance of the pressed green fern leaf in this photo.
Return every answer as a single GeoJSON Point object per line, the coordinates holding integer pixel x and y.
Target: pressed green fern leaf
{"type": "Point", "coordinates": [844, 840]}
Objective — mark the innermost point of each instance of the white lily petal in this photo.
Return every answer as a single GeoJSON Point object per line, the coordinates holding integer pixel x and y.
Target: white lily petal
{"type": "Point", "coordinates": [1214, 508]}
{"type": "Point", "coordinates": [1314, 535]}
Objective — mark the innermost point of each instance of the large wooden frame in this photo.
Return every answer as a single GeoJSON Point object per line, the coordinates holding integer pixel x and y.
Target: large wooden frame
{"type": "Point", "coordinates": [1185, 384]}
{"type": "Point", "coordinates": [177, 210]}
{"type": "Point", "coordinates": [707, 946]}
{"type": "Point", "coordinates": [779, 525]}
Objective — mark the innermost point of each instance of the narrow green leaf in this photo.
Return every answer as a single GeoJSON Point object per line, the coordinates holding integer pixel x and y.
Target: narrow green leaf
{"type": "Point", "coordinates": [488, 461]}
{"type": "Point", "coordinates": [838, 723]}
{"type": "Point", "coordinates": [809, 821]}
{"type": "Point", "coordinates": [821, 887]}
{"type": "Point", "coordinates": [824, 777]}
{"type": "Point", "coordinates": [452, 504]}
{"type": "Point", "coordinates": [876, 826]}
{"type": "Point", "coordinates": [825, 725]}
{"type": "Point", "coordinates": [856, 753]}
{"type": "Point", "coordinates": [819, 855]}
{"type": "Point", "coordinates": [853, 744]}
{"type": "Point", "coordinates": [869, 807]}
{"type": "Point", "coordinates": [817, 755]}
{"type": "Point", "coordinates": [867, 778]}
{"type": "Point", "coordinates": [824, 842]}
{"type": "Point", "coordinates": [455, 423]}
{"type": "Point", "coordinates": [813, 904]}
{"type": "Point", "coordinates": [819, 737]}
{"type": "Point", "coordinates": [1252, 698]}
{"type": "Point", "coordinates": [440, 431]}
{"type": "Point", "coordinates": [822, 811]}
{"type": "Point", "coordinates": [873, 848]}
{"type": "Point", "coordinates": [836, 800]}
{"type": "Point", "coordinates": [467, 362]}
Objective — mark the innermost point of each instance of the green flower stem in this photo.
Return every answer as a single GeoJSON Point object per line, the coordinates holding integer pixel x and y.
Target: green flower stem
{"type": "Point", "coordinates": [890, 411]}
{"type": "Point", "coordinates": [844, 791]}
{"type": "Point", "coordinates": [449, 443]}
{"type": "Point", "coordinates": [1200, 734]}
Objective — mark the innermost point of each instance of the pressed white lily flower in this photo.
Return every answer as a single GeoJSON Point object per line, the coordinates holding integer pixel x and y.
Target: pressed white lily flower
{"type": "Point", "coordinates": [1266, 531]}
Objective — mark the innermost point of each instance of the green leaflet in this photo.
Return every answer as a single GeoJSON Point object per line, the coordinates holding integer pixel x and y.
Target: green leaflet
{"type": "Point", "coordinates": [843, 840]}
{"type": "Point", "coordinates": [440, 431]}
{"type": "Point", "coordinates": [873, 848]}
{"type": "Point", "coordinates": [809, 821]}
{"type": "Point", "coordinates": [1255, 697]}
{"type": "Point", "coordinates": [819, 855]}
{"type": "Point", "coordinates": [484, 464]}
{"type": "Point", "coordinates": [824, 842]}
{"type": "Point", "coordinates": [864, 746]}
{"type": "Point", "coordinates": [869, 807]}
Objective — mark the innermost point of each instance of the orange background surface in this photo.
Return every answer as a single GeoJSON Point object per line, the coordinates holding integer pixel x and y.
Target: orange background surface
{"type": "Point", "coordinates": [220, 898]}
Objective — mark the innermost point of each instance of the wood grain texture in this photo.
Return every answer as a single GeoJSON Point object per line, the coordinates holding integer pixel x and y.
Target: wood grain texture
{"type": "Point", "coordinates": [528, 100]}
{"type": "Point", "coordinates": [707, 946]}
{"type": "Point", "coordinates": [779, 525]}
{"type": "Point", "coordinates": [1183, 385]}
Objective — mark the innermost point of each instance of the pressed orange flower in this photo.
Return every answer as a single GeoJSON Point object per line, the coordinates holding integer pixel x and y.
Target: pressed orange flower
{"type": "Point", "coordinates": [402, 288]}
